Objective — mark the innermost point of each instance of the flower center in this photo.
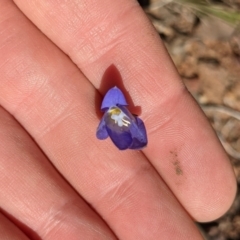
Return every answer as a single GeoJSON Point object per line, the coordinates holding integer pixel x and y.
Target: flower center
{"type": "Point", "coordinates": [119, 117]}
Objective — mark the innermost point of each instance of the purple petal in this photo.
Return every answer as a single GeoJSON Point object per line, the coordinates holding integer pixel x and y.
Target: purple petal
{"type": "Point", "coordinates": [113, 97]}
{"type": "Point", "coordinates": [139, 134]}
{"type": "Point", "coordinates": [122, 140]}
{"type": "Point", "coordinates": [137, 130]}
{"type": "Point", "coordinates": [101, 130]}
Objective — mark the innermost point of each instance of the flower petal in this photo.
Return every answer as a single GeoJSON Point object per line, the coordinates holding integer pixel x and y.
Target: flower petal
{"type": "Point", "coordinates": [139, 134]}
{"type": "Point", "coordinates": [137, 130]}
{"type": "Point", "coordinates": [113, 97]}
{"type": "Point", "coordinates": [101, 130]}
{"type": "Point", "coordinates": [122, 140]}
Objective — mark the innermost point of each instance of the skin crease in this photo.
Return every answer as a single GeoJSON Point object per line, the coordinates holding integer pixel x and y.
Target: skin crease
{"type": "Point", "coordinates": [8, 231]}
{"type": "Point", "coordinates": [66, 184]}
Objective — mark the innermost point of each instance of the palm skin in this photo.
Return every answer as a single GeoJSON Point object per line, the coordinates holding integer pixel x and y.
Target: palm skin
{"type": "Point", "coordinates": [58, 181]}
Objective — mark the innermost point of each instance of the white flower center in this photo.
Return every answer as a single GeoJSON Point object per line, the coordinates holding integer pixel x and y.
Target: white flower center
{"type": "Point", "coordinates": [119, 117]}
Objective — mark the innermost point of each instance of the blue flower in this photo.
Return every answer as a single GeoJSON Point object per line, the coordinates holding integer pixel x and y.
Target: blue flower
{"type": "Point", "coordinates": [124, 129]}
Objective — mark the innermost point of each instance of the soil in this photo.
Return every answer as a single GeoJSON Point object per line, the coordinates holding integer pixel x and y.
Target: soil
{"type": "Point", "coordinates": [206, 52]}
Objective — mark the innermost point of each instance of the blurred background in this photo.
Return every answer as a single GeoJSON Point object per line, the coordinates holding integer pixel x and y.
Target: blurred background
{"type": "Point", "coordinates": [203, 39]}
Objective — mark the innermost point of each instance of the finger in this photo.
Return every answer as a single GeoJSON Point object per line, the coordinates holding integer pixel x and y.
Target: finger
{"type": "Point", "coordinates": [8, 231]}
{"type": "Point", "coordinates": [36, 196]}
{"type": "Point", "coordinates": [182, 146]}
{"type": "Point", "coordinates": [53, 100]}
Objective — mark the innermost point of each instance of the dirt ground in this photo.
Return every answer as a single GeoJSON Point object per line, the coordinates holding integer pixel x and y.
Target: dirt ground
{"type": "Point", "coordinates": [206, 52]}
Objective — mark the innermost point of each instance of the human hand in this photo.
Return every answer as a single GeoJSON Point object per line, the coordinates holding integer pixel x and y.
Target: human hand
{"type": "Point", "coordinates": [57, 181]}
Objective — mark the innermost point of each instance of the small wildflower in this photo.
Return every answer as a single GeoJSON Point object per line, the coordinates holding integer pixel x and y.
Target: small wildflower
{"type": "Point", "coordinates": [125, 130]}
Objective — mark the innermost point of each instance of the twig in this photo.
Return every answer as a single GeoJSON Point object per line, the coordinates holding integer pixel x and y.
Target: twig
{"type": "Point", "coordinates": [229, 149]}
{"type": "Point", "coordinates": [232, 113]}
{"type": "Point", "coordinates": [229, 111]}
